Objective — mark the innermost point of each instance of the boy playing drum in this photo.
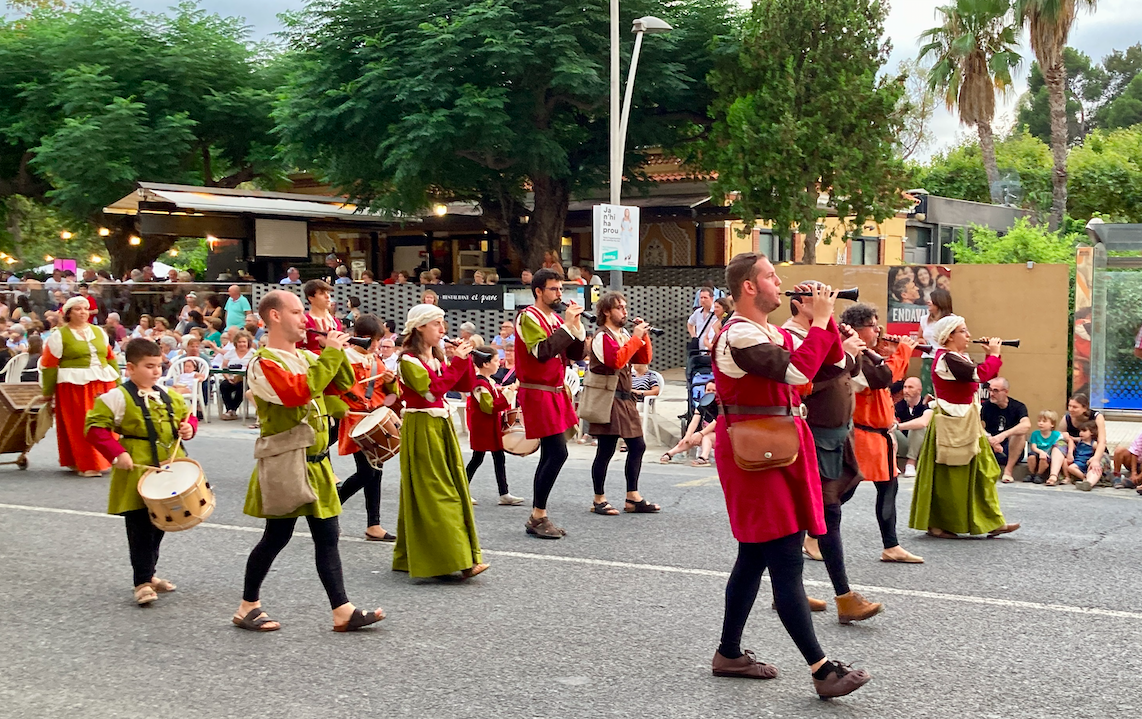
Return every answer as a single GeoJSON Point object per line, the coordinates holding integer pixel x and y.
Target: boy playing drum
{"type": "Point", "coordinates": [138, 410]}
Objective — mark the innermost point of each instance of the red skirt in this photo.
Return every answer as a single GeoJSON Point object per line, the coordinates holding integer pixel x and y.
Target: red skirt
{"type": "Point", "coordinates": [546, 413]}
{"type": "Point", "coordinates": [72, 404]}
{"type": "Point", "coordinates": [772, 503]}
{"type": "Point", "coordinates": [484, 432]}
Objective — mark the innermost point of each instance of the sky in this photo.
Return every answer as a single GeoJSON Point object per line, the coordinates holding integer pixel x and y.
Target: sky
{"type": "Point", "coordinates": [1116, 25]}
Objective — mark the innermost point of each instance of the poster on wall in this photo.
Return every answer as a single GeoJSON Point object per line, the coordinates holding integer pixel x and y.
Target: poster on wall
{"type": "Point", "coordinates": [1084, 301]}
{"type": "Point", "coordinates": [616, 237]}
{"type": "Point", "coordinates": [909, 287]}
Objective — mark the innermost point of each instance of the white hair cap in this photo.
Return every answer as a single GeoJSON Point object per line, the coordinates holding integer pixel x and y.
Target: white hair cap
{"type": "Point", "coordinates": [420, 315]}
{"type": "Point", "coordinates": [945, 326]}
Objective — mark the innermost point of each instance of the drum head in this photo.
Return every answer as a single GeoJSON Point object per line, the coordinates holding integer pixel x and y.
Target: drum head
{"type": "Point", "coordinates": [183, 475]}
{"type": "Point", "coordinates": [369, 421]}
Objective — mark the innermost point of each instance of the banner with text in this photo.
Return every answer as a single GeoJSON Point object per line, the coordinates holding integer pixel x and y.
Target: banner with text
{"type": "Point", "coordinates": [909, 287]}
{"type": "Point", "coordinates": [469, 297]}
{"type": "Point", "coordinates": [616, 235]}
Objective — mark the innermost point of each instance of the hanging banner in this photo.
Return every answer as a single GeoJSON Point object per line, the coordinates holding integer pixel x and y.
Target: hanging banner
{"type": "Point", "coordinates": [616, 237]}
{"type": "Point", "coordinates": [909, 287]}
{"type": "Point", "coordinates": [469, 297]}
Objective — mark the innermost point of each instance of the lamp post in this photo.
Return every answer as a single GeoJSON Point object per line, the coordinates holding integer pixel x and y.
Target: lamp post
{"type": "Point", "coordinates": [620, 114]}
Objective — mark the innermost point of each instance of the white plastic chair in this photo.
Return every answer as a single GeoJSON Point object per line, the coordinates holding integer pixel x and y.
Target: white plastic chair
{"type": "Point", "coordinates": [14, 367]}
{"type": "Point", "coordinates": [647, 405]}
{"type": "Point", "coordinates": [202, 367]}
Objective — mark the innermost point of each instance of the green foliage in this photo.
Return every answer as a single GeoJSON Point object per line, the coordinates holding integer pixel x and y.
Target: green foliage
{"type": "Point", "coordinates": [801, 110]}
{"type": "Point", "coordinates": [1086, 88]}
{"type": "Point", "coordinates": [1126, 110]}
{"type": "Point", "coordinates": [959, 173]}
{"type": "Point", "coordinates": [192, 255]}
{"type": "Point", "coordinates": [402, 103]}
{"type": "Point", "coordinates": [1024, 242]}
{"type": "Point", "coordinates": [34, 233]}
{"type": "Point", "coordinates": [1104, 176]}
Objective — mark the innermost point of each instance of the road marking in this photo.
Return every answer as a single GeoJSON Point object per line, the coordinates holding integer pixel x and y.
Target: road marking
{"type": "Point", "coordinates": [691, 571]}
{"type": "Point", "coordinates": [701, 481]}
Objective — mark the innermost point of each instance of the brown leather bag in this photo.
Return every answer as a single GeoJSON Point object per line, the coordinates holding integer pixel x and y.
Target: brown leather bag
{"type": "Point", "coordinates": [764, 442]}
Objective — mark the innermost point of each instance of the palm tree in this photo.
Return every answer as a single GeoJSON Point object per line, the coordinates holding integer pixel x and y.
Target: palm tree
{"type": "Point", "coordinates": [1049, 22]}
{"type": "Point", "coordinates": [973, 55]}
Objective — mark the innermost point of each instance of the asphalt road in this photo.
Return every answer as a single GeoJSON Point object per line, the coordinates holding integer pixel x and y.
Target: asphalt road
{"type": "Point", "coordinates": [620, 619]}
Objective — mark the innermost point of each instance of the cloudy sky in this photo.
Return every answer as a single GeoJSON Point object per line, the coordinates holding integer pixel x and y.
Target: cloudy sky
{"type": "Point", "coordinates": [1116, 25]}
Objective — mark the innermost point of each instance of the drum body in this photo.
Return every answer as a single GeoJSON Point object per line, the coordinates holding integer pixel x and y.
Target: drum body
{"type": "Point", "coordinates": [378, 435]}
{"type": "Point", "coordinates": [178, 497]}
{"type": "Point", "coordinates": [515, 438]}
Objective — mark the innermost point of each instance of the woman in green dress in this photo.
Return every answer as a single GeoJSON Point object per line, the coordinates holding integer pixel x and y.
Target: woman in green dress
{"type": "Point", "coordinates": [956, 472]}
{"type": "Point", "coordinates": [436, 529]}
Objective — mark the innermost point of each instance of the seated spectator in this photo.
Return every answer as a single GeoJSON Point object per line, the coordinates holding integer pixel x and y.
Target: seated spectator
{"type": "Point", "coordinates": [388, 352]}
{"type": "Point", "coordinates": [1082, 454]}
{"type": "Point", "coordinates": [699, 431]}
{"type": "Point", "coordinates": [293, 277]}
{"type": "Point", "coordinates": [31, 372]}
{"type": "Point", "coordinates": [425, 278]}
{"type": "Point", "coordinates": [492, 279]}
{"type": "Point", "coordinates": [17, 340]}
{"type": "Point", "coordinates": [575, 276]}
{"type": "Point", "coordinates": [144, 328]}
{"type": "Point", "coordinates": [525, 277]}
{"type": "Point", "coordinates": [115, 329]}
{"type": "Point", "coordinates": [92, 304]}
{"type": "Point", "coordinates": [909, 436]}
{"type": "Point", "coordinates": [1047, 451]}
{"type": "Point", "coordinates": [194, 320]}
{"type": "Point", "coordinates": [505, 375]}
{"type": "Point", "coordinates": [184, 385]}
{"type": "Point", "coordinates": [368, 278]}
{"type": "Point", "coordinates": [1007, 425]}
{"type": "Point", "coordinates": [643, 383]}
{"type": "Point", "coordinates": [1078, 413]}
{"type": "Point", "coordinates": [343, 277]}
{"type": "Point", "coordinates": [505, 337]}
{"type": "Point", "coordinates": [232, 386]}
{"type": "Point", "coordinates": [402, 278]}
{"type": "Point", "coordinates": [214, 332]}
{"type": "Point", "coordinates": [468, 331]}
{"type": "Point", "coordinates": [435, 273]}
{"type": "Point", "coordinates": [428, 298]}
{"type": "Point", "coordinates": [1129, 458]}
{"type": "Point", "coordinates": [479, 278]}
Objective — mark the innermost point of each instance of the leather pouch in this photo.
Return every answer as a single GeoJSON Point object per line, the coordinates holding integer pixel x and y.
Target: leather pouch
{"type": "Point", "coordinates": [597, 397]}
{"type": "Point", "coordinates": [764, 442]}
{"type": "Point", "coordinates": [283, 475]}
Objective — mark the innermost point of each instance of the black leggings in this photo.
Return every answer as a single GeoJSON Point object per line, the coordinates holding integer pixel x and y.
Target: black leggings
{"type": "Point", "coordinates": [498, 460]}
{"type": "Point", "coordinates": [886, 511]}
{"type": "Point", "coordinates": [552, 455]}
{"type": "Point", "coordinates": [231, 394]}
{"type": "Point", "coordinates": [783, 559]}
{"type": "Point", "coordinates": [832, 549]}
{"type": "Point", "coordinates": [143, 539]}
{"type": "Point", "coordinates": [636, 447]}
{"type": "Point", "coordinates": [366, 478]}
{"type": "Point", "coordinates": [275, 539]}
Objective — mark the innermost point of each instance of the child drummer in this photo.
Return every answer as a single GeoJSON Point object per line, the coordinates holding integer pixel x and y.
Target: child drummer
{"type": "Point", "coordinates": [362, 398]}
{"type": "Point", "coordinates": [135, 411]}
{"type": "Point", "coordinates": [486, 406]}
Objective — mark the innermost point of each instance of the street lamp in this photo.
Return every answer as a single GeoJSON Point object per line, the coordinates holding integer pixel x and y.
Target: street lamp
{"type": "Point", "coordinates": [620, 114]}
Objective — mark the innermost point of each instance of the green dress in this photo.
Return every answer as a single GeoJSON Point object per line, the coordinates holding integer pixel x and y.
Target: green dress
{"type": "Point", "coordinates": [289, 388]}
{"type": "Point", "coordinates": [436, 528]}
{"type": "Point", "coordinates": [117, 411]}
{"type": "Point", "coordinates": [961, 499]}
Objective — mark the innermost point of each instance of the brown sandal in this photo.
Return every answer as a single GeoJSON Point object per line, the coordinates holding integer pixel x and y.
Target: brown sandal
{"type": "Point", "coordinates": [358, 620]}
{"type": "Point", "coordinates": [163, 586]}
{"type": "Point", "coordinates": [604, 508]}
{"type": "Point", "coordinates": [941, 534]}
{"type": "Point", "coordinates": [474, 570]}
{"type": "Point", "coordinates": [145, 594]}
{"type": "Point", "coordinates": [255, 621]}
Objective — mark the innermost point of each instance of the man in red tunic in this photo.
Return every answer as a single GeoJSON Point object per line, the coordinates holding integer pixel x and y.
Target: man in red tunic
{"type": "Point", "coordinates": [544, 346]}
{"type": "Point", "coordinates": [757, 371]}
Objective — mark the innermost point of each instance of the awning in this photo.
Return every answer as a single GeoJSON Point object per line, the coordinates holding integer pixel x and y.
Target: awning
{"type": "Point", "coordinates": [657, 201]}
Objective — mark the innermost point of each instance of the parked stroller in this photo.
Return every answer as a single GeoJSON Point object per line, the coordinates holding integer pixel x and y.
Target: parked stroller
{"type": "Point", "coordinates": [699, 371]}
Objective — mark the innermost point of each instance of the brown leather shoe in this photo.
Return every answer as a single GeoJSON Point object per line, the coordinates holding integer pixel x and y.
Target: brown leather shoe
{"type": "Point", "coordinates": [852, 607]}
{"type": "Point", "coordinates": [1005, 529]}
{"type": "Point", "coordinates": [744, 666]}
{"type": "Point", "coordinates": [815, 605]}
{"type": "Point", "coordinates": [840, 679]}
{"type": "Point", "coordinates": [543, 528]}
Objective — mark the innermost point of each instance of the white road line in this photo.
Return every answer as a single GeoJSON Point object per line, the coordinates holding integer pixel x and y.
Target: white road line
{"type": "Point", "coordinates": [940, 596]}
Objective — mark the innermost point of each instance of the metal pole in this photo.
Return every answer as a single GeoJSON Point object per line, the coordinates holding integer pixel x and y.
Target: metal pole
{"type": "Point", "coordinates": [616, 141]}
{"type": "Point", "coordinates": [629, 95]}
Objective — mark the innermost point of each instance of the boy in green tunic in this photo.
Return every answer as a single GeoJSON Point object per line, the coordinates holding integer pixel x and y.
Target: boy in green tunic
{"type": "Point", "coordinates": [120, 412]}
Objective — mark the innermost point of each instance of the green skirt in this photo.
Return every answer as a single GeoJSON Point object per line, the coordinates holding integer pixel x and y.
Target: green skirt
{"type": "Point", "coordinates": [436, 529]}
{"type": "Point", "coordinates": [926, 387]}
{"type": "Point", "coordinates": [961, 499]}
{"type": "Point", "coordinates": [324, 483]}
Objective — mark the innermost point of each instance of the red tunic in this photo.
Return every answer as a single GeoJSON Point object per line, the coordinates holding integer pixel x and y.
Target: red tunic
{"type": "Point", "coordinates": [769, 504]}
{"type": "Point", "coordinates": [484, 433]}
{"type": "Point", "coordinates": [545, 413]}
{"type": "Point", "coordinates": [311, 323]}
{"type": "Point", "coordinates": [961, 392]}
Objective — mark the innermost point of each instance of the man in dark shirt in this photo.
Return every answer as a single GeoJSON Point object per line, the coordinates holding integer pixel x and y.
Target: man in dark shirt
{"type": "Point", "coordinates": [1007, 425]}
{"type": "Point", "coordinates": [911, 424]}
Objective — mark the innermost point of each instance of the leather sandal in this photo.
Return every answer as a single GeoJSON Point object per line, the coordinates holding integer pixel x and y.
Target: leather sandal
{"type": "Point", "coordinates": [1005, 529]}
{"type": "Point", "coordinates": [641, 507]}
{"type": "Point", "coordinates": [666, 459]}
{"type": "Point", "coordinates": [543, 528]}
{"type": "Point", "coordinates": [387, 537]}
{"type": "Point", "coordinates": [604, 508]}
{"type": "Point", "coordinates": [255, 621]}
{"type": "Point", "coordinates": [941, 534]}
{"type": "Point", "coordinates": [163, 586]}
{"type": "Point", "coordinates": [358, 620]}
{"type": "Point", "coordinates": [474, 570]}
{"type": "Point", "coordinates": [838, 680]}
{"type": "Point", "coordinates": [145, 594]}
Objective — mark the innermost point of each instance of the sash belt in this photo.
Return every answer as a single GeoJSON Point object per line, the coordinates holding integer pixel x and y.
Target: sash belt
{"type": "Point", "coordinates": [796, 411]}
{"type": "Point", "coordinates": [541, 387]}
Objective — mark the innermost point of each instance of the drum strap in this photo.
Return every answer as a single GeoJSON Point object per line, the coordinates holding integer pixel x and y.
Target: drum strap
{"type": "Point", "coordinates": [152, 431]}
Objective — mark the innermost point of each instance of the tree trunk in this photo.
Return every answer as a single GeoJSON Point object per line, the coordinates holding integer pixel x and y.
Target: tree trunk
{"type": "Point", "coordinates": [126, 257]}
{"type": "Point", "coordinates": [545, 226]}
{"type": "Point", "coordinates": [808, 229]}
{"type": "Point", "coordinates": [1056, 79]}
{"type": "Point", "coordinates": [990, 166]}
{"type": "Point", "coordinates": [13, 217]}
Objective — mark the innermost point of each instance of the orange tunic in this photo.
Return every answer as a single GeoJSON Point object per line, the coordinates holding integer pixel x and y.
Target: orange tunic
{"type": "Point", "coordinates": [874, 415]}
{"type": "Point", "coordinates": [364, 364]}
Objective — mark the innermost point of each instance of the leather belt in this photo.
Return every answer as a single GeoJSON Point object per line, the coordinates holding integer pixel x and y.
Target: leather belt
{"type": "Point", "coordinates": [796, 411]}
{"type": "Point", "coordinates": [318, 458]}
{"type": "Point", "coordinates": [875, 430]}
{"type": "Point", "coordinates": [541, 387]}
{"type": "Point", "coordinates": [619, 394]}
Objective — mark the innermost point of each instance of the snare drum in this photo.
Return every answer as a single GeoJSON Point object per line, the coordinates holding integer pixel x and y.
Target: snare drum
{"type": "Point", "coordinates": [178, 497]}
{"type": "Point", "coordinates": [515, 438]}
{"type": "Point", "coordinates": [378, 435]}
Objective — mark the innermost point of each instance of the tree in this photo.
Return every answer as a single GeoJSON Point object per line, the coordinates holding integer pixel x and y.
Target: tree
{"type": "Point", "coordinates": [801, 111]}
{"type": "Point", "coordinates": [959, 172]}
{"type": "Point", "coordinates": [1121, 68]}
{"type": "Point", "coordinates": [1126, 110]}
{"type": "Point", "coordinates": [402, 103]}
{"type": "Point", "coordinates": [1105, 176]}
{"type": "Point", "coordinates": [1024, 242]}
{"type": "Point", "coordinates": [36, 231]}
{"type": "Point", "coordinates": [916, 108]}
{"type": "Point", "coordinates": [1049, 23]}
{"type": "Point", "coordinates": [99, 96]}
{"type": "Point", "coordinates": [1086, 87]}
{"type": "Point", "coordinates": [973, 55]}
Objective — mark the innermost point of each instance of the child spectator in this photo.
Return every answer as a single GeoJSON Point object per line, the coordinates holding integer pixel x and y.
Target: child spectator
{"type": "Point", "coordinates": [17, 339]}
{"type": "Point", "coordinates": [1131, 459]}
{"type": "Point", "coordinates": [186, 378]}
{"type": "Point", "coordinates": [1047, 450]}
{"type": "Point", "coordinates": [1081, 455]}
{"type": "Point", "coordinates": [31, 372]}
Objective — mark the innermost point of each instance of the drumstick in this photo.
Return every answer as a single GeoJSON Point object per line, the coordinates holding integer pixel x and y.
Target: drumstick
{"type": "Point", "coordinates": [370, 379]}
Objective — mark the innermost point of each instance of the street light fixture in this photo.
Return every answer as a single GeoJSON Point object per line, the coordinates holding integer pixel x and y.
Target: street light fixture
{"type": "Point", "coordinates": [620, 114]}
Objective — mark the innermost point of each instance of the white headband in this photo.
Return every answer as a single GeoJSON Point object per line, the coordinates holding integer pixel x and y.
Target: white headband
{"type": "Point", "coordinates": [420, 315]}
{"type": "Point", "coordinates": [945, 326]}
